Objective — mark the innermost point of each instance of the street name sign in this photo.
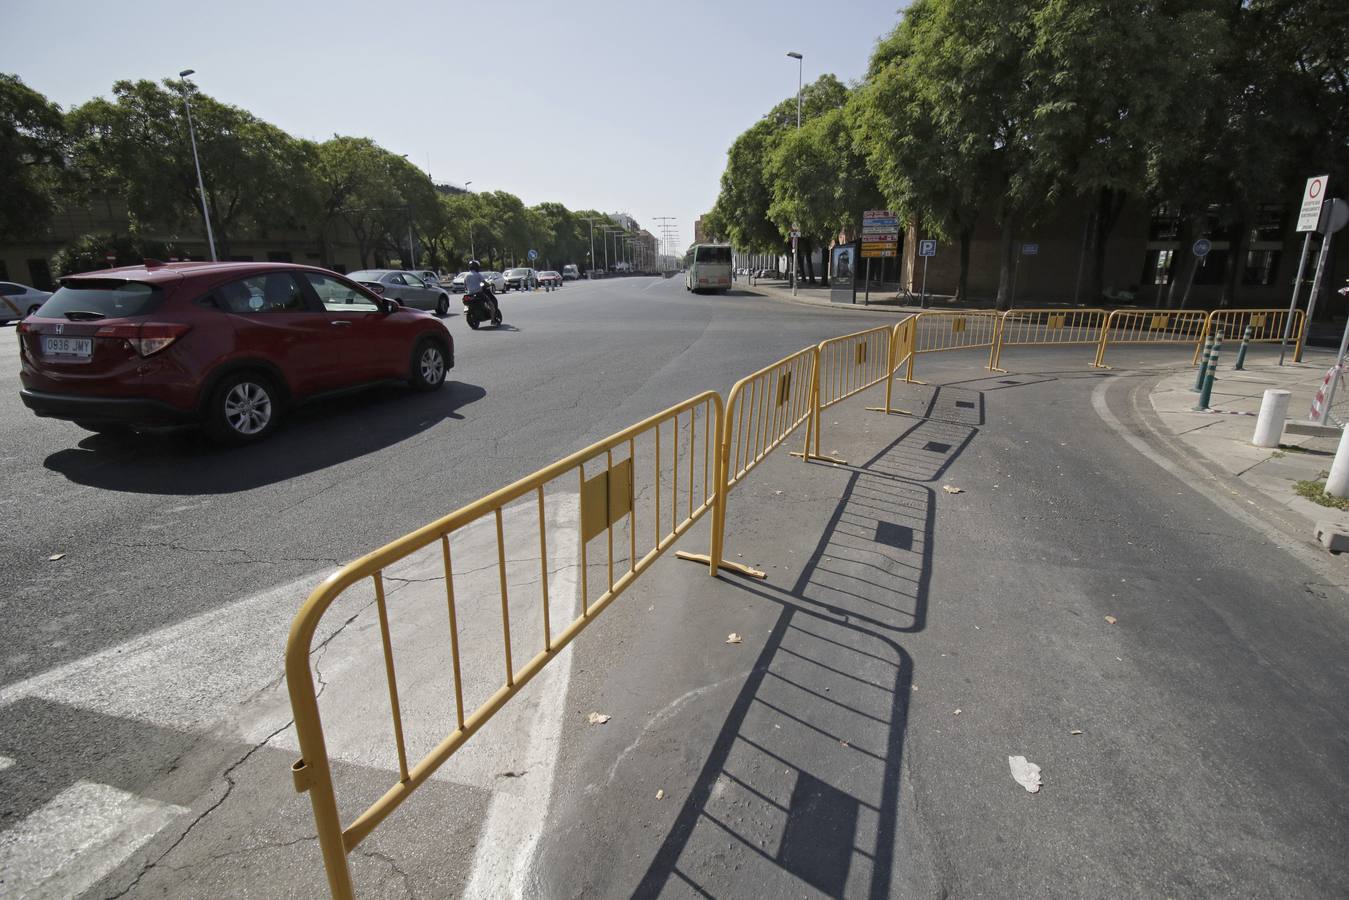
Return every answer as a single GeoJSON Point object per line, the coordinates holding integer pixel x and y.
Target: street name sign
{"type": "Point", "coordinates": [880, 234]}
{"type": "Point", "coordinates": [1030, 249]}
{"type": "Point", "coordinates": [1309, 211]}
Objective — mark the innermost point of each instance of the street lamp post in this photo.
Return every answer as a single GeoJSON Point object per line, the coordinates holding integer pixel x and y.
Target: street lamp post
{"type": "Point", "coordinates": [201, 185]}
{"type": "Point", "coordinates": [796, 264]}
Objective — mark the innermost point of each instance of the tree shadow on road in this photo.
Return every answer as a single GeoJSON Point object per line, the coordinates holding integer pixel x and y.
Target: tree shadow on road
{"type": "Point", "coordinates": [311, 438]}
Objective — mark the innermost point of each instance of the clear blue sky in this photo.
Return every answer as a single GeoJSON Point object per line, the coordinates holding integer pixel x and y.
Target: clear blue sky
{"type": "Point", "coordinates": [631, 106]}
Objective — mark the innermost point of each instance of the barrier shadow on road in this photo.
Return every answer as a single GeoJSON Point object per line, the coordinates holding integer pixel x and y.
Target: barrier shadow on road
{"type": "Point", "coordinates": [804, 775]}
{"type": "Point", "coordinates": [313, 437]}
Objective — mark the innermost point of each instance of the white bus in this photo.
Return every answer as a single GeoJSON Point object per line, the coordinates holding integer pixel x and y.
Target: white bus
{"type": "Point", "coordinates": [708, 268]}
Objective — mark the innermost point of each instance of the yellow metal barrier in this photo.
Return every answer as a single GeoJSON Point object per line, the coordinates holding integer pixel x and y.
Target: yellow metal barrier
{"type": "Point", "coordinates": [845, 366]}
{"type": "Point", "coordinates": [938, 331]}
{"type": "Point", "coordinates": [1266, 326]}
{"type": "Point", "coordinates": [1046, 327]}
{"type": "Point", "coordinates": [606, 499]}
{"type": "Point", "coordinates": [1134, 326]}
{"type": "Point", "coordinates": [762, 411]}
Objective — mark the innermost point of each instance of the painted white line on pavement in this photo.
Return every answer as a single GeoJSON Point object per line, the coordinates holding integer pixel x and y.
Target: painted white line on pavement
{"type": "Point", "coordinates": [76, 838]}
{"type": "Point", "coordinates": [186, 676]}
{"type": "Point", "coordinates": [504, 857]}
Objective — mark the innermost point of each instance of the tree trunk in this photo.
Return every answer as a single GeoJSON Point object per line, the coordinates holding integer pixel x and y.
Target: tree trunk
{"type": "Point", "coordinates": [1181, 262]}
{"type": "Point", "coordinates": [1108, 206]}
{"type": "Point", "coordinates": [824, 266]}
{"type": "Point", "coordinates": [1236, 264]}
{"type": "Point", "coordinates": [1004, 300]}
{"type": "Point", "coordinates": [963, 279]}
{"type": "Point", "coordinates": [807, 261]}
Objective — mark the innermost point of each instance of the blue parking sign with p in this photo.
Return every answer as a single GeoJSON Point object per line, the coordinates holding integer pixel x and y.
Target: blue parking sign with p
{"type": "Point", "coordinates": [927, 248]}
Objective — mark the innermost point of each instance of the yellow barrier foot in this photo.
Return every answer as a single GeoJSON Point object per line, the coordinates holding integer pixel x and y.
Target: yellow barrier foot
{"type": "Point", "coordinates": [996, 369]}
{"type": "Point", "coordinates": [888, 412]}
{"type": "Point", "coordinates": [809, 456]}
{"type": "Point", "coordinates": [706, 560]}
{"type": "Point", "coordinates": [915, 381]}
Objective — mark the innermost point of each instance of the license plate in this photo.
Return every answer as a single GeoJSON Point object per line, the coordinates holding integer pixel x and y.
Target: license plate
{"type": "Point", "coordinates": [70, 348]}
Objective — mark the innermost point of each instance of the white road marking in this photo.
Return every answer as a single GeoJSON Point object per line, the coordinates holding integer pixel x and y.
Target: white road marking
{"type": "Point", "coordinates": [186, 676]}
{"type": "Point", "coordinates": [76, 838]}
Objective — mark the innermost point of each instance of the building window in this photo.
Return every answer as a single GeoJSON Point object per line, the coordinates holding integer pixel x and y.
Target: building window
{"type": "Point", "coordinates": [1260, 267]}
{"type": "Point", "coordinates": [1217, 224]}
{"type": "Point", "coordinates": [1267, 222]}
{"type": "Point", "coordinates": [1165, 224]}
{"type": "Point", "coordinates": [1157, 268]}
{"type": "Point", "coordinates": [1212, 268]}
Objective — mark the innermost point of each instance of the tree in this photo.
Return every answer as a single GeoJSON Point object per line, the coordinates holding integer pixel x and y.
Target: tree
{"type": "Point", "coordinates": [32, 157]}
{"type": "Point", "coordinates": [138, 144]}
{"type": "Point", "coordinates": [819, 180]}
{"type": "Point", "coordinates": [1109, 89]}
{"type": "Point", "coordinates": [746, 190]}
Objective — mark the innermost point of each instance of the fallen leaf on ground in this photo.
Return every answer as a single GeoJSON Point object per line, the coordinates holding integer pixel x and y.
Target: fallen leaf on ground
{"type": "Point", "coordinates": [732, 638]}
{"type": "Point", "coordinates": [1075, 731]}
{"type": "Point", "coordinates": [1111, 620]}
{"type": "Point", "coordinates": [598, 718]}
{"type": "Point", "coordinates": [952, 489]}
{"type": "Point", "coordinates": [956, 713]}
{"type": "Point", "coordinates": [1026, 774]}
{"type": "Point", "coordinates": [844, 743]}
{"type": "Point", "coordinates": [55, 556]}
{"type": "Point", "coordinates": [660, 794]}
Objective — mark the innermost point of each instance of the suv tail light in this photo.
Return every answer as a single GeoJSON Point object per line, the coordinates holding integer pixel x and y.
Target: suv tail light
{"type": "Point", "coordinates": [146, 339]}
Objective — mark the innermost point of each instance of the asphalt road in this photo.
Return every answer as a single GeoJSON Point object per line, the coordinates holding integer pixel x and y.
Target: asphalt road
{"type": "Point", "coordinates": [906, 642]}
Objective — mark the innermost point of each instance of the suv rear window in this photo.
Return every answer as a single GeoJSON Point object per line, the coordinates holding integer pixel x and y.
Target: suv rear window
{"type": "Point", "coordinates": [109, 299]}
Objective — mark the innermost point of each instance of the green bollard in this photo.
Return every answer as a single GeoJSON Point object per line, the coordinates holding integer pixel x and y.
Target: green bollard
{"type": "Point", "coordinates": [1241, 353]}
{"type": "Point", "coordinates": [1203, 364]}
{"type": "Point", "coordinates": [1207, 393]}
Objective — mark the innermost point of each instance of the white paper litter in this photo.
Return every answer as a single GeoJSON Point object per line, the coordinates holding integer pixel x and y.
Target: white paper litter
{"type": "Point", "coordinates": [1026, 774]}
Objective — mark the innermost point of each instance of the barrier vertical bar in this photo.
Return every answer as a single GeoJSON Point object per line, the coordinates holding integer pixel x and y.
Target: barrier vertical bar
{"type": "Point", "coordinates": [392, 678]}
{"type": "Point", "coordinates": [454, 630]}
{"type": "Point", "coordinates": [505, 606]}
{"type": "Point", "coordinates": [543, 581]}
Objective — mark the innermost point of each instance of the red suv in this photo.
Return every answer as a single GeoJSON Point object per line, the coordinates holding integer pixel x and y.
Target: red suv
{"type": "Point", "coordinates": [226, 345]}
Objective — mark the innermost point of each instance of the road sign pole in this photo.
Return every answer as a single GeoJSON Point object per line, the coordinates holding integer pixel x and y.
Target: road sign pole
{"type": "Point", "coordinates": [922, 297]}
{"type": "Point", "coordinates": [866, 298]}
{"type": "Point", "coordinates": [1297, 287]}
{"type": "Point", "coordinates": [1016, 276]}
{"type": "Point", "coordinates": [1317, 279]}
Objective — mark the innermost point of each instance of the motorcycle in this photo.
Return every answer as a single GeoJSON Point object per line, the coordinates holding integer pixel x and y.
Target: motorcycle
{"type": "Point", "coordinates": [481, 307]}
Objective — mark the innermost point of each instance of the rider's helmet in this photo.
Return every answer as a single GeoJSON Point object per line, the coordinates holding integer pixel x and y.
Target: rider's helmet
{"type": "Point", "coordinates": [474, 265]}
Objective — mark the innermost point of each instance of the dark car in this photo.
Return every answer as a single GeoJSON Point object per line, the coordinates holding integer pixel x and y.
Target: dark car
{"type": "Point", "coordinates": [229, 346]}
{"type": "Point", "coordinates": [521, 279]}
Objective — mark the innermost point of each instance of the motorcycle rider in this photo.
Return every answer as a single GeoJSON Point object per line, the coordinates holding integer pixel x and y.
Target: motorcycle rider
{"type": "Point", "coordinates": [475, 285]}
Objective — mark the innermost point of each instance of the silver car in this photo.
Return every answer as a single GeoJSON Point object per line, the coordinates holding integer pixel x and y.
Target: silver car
{"type": "Point", "coordinates": [405, 287]}
{"type": "Point", "coordinates": [18, 301]}
{"type": "Point", "coordinates": [496, 280]}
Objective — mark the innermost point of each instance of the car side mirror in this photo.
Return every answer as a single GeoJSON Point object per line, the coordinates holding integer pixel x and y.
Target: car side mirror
{"type": "Point", "coordinates": [389, 305]}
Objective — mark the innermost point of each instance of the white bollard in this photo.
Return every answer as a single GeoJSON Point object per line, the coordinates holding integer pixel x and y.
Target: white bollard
{"type": "Point", "coordinates": [1337, 485]}
{"type": "Point", "coordinates": [1273, 413]}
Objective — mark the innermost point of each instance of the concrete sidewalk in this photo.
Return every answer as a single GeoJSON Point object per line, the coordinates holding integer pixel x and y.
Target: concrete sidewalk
{"type": "Point", "coordinates": [1222, 436]}
{"type": "Point", "coordinates": [815, 295]}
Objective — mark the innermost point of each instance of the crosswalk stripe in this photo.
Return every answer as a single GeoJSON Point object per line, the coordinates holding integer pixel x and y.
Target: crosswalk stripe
{"type": "Point", "coordinates": [76, 838]}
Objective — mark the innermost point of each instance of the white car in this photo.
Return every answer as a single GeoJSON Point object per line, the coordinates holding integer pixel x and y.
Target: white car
{"type": "Point", "coordinates": [495, 279]}
{"type": "Point", "coordinates": [18, 301]}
